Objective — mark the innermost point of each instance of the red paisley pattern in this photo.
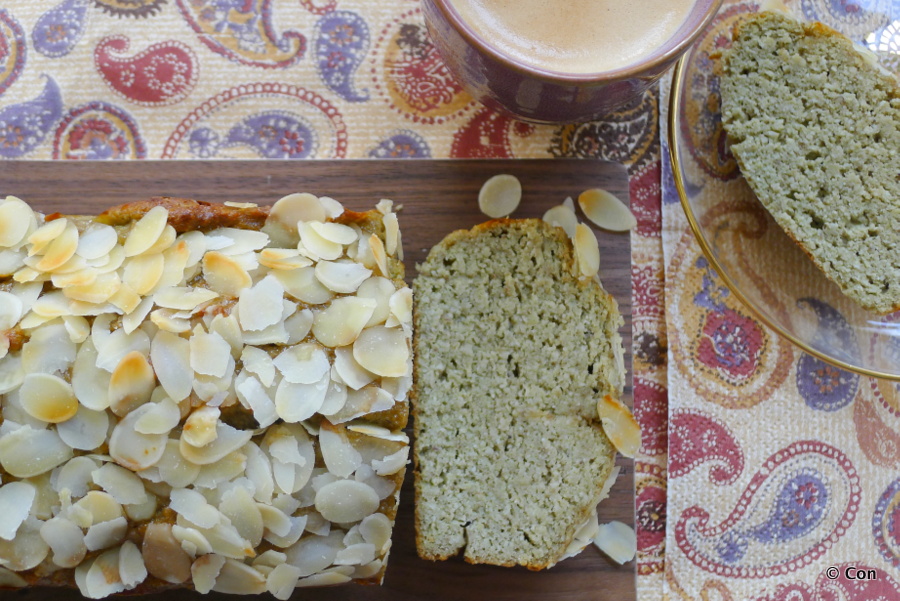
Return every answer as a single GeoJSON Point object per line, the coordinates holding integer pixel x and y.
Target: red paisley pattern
{"type": "Point", "coordinates": [696, 438]}
{"type": "Point", "coordinates": [164, 73]}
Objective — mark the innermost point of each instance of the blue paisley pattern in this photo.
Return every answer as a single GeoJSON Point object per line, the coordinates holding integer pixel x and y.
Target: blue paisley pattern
{"type": "Point", "coordinates": [24, 126]}
{"type": "Point", "coordinates": [60, 28]}
{"type": "Point", "coordinates": [275, 135]}
{"type": "Point", "coordinates": [404, 144]}
{"type": "Point", "coordinates": [823, 386]}
{"type": "Point", "coordinates": [341, 42]}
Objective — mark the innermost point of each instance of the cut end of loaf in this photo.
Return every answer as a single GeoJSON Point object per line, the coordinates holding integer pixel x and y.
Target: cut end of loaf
{"type": "Point", "coordinates": [512, 353]}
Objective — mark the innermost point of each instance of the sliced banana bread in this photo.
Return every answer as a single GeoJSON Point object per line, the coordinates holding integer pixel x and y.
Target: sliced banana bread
{"type": "Point", "coordinates": [813, 123]}
{"type": "Point", "coordinates": [513, 351]}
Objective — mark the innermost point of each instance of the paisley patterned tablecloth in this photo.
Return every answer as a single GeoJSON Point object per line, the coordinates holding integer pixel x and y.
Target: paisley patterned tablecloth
{"type": "Point", "coordinates": [744, 489]}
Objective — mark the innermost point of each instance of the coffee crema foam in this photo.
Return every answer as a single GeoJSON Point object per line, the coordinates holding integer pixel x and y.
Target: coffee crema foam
{"type": "Point", "coordinates": [575, 36]}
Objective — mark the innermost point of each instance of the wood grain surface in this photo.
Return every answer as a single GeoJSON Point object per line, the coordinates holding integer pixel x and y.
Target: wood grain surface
{"type": "Point", "coordinates": [437, 197]}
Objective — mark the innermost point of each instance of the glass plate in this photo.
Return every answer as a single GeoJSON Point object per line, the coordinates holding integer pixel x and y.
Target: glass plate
{"type": "Point", "coordinates": [761, 266]}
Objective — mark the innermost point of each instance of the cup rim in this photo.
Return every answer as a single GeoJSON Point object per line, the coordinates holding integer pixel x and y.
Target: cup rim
{"type": "Point", "coordinates": [636, 70]}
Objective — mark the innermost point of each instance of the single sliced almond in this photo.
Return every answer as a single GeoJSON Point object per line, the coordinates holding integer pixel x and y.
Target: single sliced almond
{"type": "Point", "coordinates": [97, 241]}
{"type": "Point", "coordinates": [564, 217]}
{"type": "Point", "coordinates": [60, 250]}
{"type": "Point", "coordinates": [346, 501]}
{"type": "Point", "coordinates": [618, 541]}
{"type": "Point", "coordinates": [341, 276]}
{"type": "Point", "coordinates": [48, 398]}
{"type": "Point", "coordinates": [224, 274]}
{"type": "Point", "coordinates": [605, 210]}
{"type": "Point", "coordinates": [131, 384]}
{"type": "Point", "coordinates": [303, 285]}
{"type": "Point", "coordinates": [342, 321]}
{"type": "Point", "coordinates": [146, 231]}
{"type": "Point", "coordinates": [44, 236]}
{"type": "Point", "coordinates": [261, 306]}
{"type": "Point", "coordinates": [16, 220]}
{"type": "Point", "coordinates": [500, 196]}
{"type": "Point", "coordinates": [382, 351]}
{"type": "Point", "coordinates": [619, 425]}
{"type": "Point", "coordinates": [587, 251]}
{"type": "Point", "coordinates": [142, 273]}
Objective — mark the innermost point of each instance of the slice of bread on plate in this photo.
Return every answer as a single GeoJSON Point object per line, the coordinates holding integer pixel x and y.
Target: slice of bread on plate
{"type": "Point", "coordinates": [814, 123]}
{"type": "Point", "coordinates": [513, 350]}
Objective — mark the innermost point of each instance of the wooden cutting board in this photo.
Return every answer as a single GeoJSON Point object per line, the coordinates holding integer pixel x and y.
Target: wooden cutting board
{"type": "Point", "coordinates": [437, 197]}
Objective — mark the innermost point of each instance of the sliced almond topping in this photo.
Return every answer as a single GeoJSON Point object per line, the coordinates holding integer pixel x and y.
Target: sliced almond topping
{"type": "Point", "coordinates": [392, 234]}
{"type": "Point", "coordinates": [183, 298]}
{"type": "Point", "coordinates": [606, 210]}
{"type": "Point", "coordinates": [392, 463]}
{"type": "Point", "coordinates": [122, 485]}
{"type": "Point", "coordinates": [500, 196]}
{"type": "Point", "coordinates": [252, 392]}
{"type": "Point", "coordinates": [102, 290]}
{"type": "Point", "coordinates": [16, 220]}
{"type": "Point", "coordinates": [60, 250]}
{"type": "Point", "coordinates": [341, 276]}
{"type": "Point", "coordinates": [160, 419]}
{"type": "Point", "coordinates": [97, 241]}
{"type": "Point", "coordinates": [82, 277]}
{"type": "Point", "coordinates": [165, 240]}
{"type": "Point", "coordinates": [194, 507]}
{"type": "Point", "coordinates": [378, 252]}
{"type": "Point", "coordinates": [48, 398]}
{"type": "Point", "coordinates": [52, 304]}
{"type": "Point", "coordinates": [378, 432]}
{"type": "Point", "coordinates": [76, 476]}
{"type": "Point", "coordinates": [10, 262]}
{"type": "Point", "coordinates": [86, 431]}
{"type": "Point", "coordinates": [100, 577]}
{"type": "Point", "coordinates": [335, 232]}
{"type": "Point", "coordinates": [355, 555]}
{"type": "Point", "coordinates": [142, 273]}
{"type": "Point", "coordinates": [171, 356]}
{"type": "Point", "coordinates": [282, 258]}
{"type": "Point", "coordinates": [326, 578]}
{"type": "Point", "coordinates": [77, 327]}
{"type": "Point", "coordinates": [564, 217]}
{"type": "Point", "coordinates": [342, 321]}
{"type": "Point", "coordinates": [239, 507]}
{"type": "Point", "coordinates": [28, 549]}
{"type": "Point", "coordinates": [175, 470]}
{"type": "Point", "coordinates": [346, 501]}
{"type": "Point", "coordinates": [303, 285]}
{"type": "Point", "coordinates": [200, 427]}
{"type": "Point", "coordinates": [234, 241]}
{"type": "Point", "coordinates": [165, 320]}
{"type": "Point", "coordinates": [351, 372]}
{"type": "Point", "coordinates": [66, 540]}
{"type": "Point", "coordinates": [261, 306]}
{"type": "Point", "coordinates": [340, 457]}
{"type": "Point", "coordinates": [315, 553]}
{"type": "Point", "coordinates": [132, 570]}
{"type": "Point", "coordinates": [17, 454]}
{"type": "Point", "coordinates": [204, 572]}
{"type": "Point", "coordinates": [618, 541]}
{"type": "Point", "coordinates": [210, 353]}
{"type": "Point", "coordinates": [163, 555]}
{"type": "Point", "coordinates": [259, 363]}
{"type": "Point", "coordinates": [237, 578]}
{"type": "Point", "coordinates": [44, 236]}
{"type": "Point", "coordinates": [131, 384]}
{"type": "Point", "coordinates": [619, 425]}
{"type": "Point", "coordinates": [376, 530]}
{"type": "Point", "coordinates": [282, 580]}
{"type": "Point", "coordinates": [380, 290]}
{"type": "Point", "coordinates": [16, 499]}
{"type": "Point", "coordinates": [145, 233]}
{"type": "Point", "coordinates": [401, 303]}
{"type": "Point", "coordinates": [587, 251]}
{"type": "Point", "coordinates": [100, 506]}
{"type": "Point", "coordinates": [131, 449]}
{"type": "Point", "coordinates": [225, 275]}
{"type": "Point", "coordinates": [318, 246]}
{"type": "Point", "coordinates": [106, 534]}
{"type": "Point", "coordinates": [382, 351]}
{"type": "Point", "coordinates": [298, 402]}
{"type": "Point", "coordinates": [290, 209]}
{"type": "Point", "coordinates": [227, 440]}
{"type": "Point", "coordinates": [303, 364]}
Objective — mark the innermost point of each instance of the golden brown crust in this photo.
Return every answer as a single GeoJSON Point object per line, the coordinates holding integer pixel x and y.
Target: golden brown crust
{"type": "Point", "coordinates": [186, 215]}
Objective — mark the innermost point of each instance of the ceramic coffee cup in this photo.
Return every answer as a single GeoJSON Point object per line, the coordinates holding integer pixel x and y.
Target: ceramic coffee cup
{"type": "Point", "coordinates": [503, 82]}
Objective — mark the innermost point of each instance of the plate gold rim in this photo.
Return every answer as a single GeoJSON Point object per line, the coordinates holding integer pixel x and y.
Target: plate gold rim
{"type": "Point", "coordinates": [673, 121]}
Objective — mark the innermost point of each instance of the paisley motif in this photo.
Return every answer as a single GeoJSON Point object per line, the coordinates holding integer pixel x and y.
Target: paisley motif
{"type": "Point", "coordinates": [402, 144]}
{"type": "Point", "coordinates": [725, 356]}
{"type": "Point", "coordinates": [409, 75]}
{"type": "Point", "coordinates": [284, 121]}
{"type": "Point", "coordinates": [886, 524]}
{"type": "Point", "coordinates": [316, 9]}
{"type": "Point", "coordinates": [241, 30]}
{"type": "Point", "coordinates": [650, 521]}
{"type": "Point", "coordinates": [651, 403]}
{"type": "Point", "coordinates": [163, 73]}
{"type": "Point", "coordinates": [13, 50]}
{"type": "Point", "coordinates": [25, 125]}
{"type": "Point", "coordinates": [59, 29]}
{"type": "Point", "coordinates": [130, 8]}
{"type": "Point", "coordinates": [798, 505]}
{"type": "Point", "coordinates": [701, 119]}
{"type": "Point", "coordinates": [341, 41]}
{"type": "Point", "coordinates": [848, 16]}
{"type": "Point", "coordinates": [625, 136]}
{"type": "Point", "coordinates": [275, 135]}
{"type": "Point", "coordinates": [487, 136]}
{"type": "Point", "coordinates": [871, 416]}
{"type": "Point", "coordinates": [821, 385]}
{"type": "Point", "coordinates": [644, 185]}
{"type": "Point", "coordinates": [98, 130]}
{"type": "Point", "coordinates": [696, 438]}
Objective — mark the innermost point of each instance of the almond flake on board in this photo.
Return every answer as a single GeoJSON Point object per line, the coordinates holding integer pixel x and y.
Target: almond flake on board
{"type": "Point", "coordinates": [605, 210]}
